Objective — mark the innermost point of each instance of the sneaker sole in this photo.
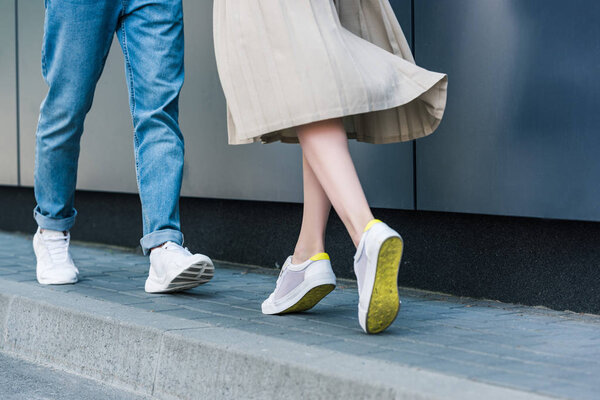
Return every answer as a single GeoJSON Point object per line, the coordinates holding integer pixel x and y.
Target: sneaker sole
{"type": "Point", "coordinates": [70, 282]}
{"type": "Point", "coordinates": [385, 302]}
{"type": "Point", "coordinates": [191, 277]}
{"type": "Point", "coordinates": [310, 299]}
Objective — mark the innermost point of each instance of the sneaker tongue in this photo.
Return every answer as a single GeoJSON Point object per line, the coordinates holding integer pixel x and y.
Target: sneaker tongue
{"type": "Point", "coordinates": [287, 262]}
{"type": "Point", "coordinates": [361, 245]}
{"type": "Point", "coordinates": [175, 247]}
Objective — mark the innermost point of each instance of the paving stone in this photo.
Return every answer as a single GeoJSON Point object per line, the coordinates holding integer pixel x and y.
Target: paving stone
{"type": "Point", "coordinates": [183, 312]}
{"type": "Point", "coordinates": [411, 358]}
{"type": "Point", "coordinates": [224, 321]}
{"type": "Point", "coordinates": [155, 307]}
{"type": "Point", "coordinates": [116, 285]}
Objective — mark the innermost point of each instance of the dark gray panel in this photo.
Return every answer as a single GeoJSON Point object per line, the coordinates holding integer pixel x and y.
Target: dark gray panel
{"type": "Point", "coordinates": [8, 95]}
{"type": "Point", "coordinates": [520, 135]}
{"type": "Point", "coordinates": [264, 172]}
{"type": "Point", "coordinates": [403, 10]}
{"type": "Point", "coordinates": [106, 161]}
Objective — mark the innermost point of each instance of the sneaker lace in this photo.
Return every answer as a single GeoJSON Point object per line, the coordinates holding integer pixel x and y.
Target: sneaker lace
{"type": "Point", "coordinates": [58, 248]}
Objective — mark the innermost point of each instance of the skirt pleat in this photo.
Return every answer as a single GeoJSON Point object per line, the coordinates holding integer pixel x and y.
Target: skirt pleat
{"type": "Point", "coordinates": [286, 63]}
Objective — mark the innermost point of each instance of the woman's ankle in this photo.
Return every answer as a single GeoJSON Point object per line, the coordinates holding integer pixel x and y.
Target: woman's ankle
{"type": "Point", "coordinates": [358, 226]}
{"type": "Point", "coordinates": [302, 254]}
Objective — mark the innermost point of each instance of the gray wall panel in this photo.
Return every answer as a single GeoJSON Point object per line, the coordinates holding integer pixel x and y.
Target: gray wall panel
{"type": "Point", "coordinates": [8, 95]}
{"type": "Point", "coordinates": [520, 135]}
{"type": "Point", "coordinates": [264, 172]}
{"type": "Point", "coordinates": [213, 168]}
{"type": "Point", "coordinates": [32, 87]}
{"type": "Point", "coordinates": [106, 161]}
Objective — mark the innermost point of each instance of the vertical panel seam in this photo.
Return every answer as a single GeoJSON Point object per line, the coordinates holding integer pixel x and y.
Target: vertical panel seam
{"type": "Point", "coordinates": [17, 93]}
{"type": "Point", "coordinates": [414, 147]}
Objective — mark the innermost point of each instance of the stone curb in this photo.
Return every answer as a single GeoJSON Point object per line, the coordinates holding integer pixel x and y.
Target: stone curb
{"type": "Point", "coordinates": [171, 358]}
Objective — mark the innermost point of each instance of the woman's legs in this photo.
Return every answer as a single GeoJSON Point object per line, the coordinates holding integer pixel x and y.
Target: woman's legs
{"type": "Point", "coordinates": [325, 149]}
{"type": "Point", "coordinates": [304, 283]}
{"type": "Point", "coordinates": [330, 179]}
{"type": "Point", "coordinates": [314, 218]}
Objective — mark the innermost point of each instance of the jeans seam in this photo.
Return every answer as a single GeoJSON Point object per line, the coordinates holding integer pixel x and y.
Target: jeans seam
{"type": "Point", "coordinates": [44, 69]}
{"type": "Point", "coordinates": [131, 90]}
{"type": "Point", "coordinates": [129, 72]}
{"type": "Point", "coordinates": [133, 101]}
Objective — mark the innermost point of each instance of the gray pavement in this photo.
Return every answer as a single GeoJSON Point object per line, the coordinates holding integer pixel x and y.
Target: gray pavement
{"type": "Point", "coordinates": [530, 350]}
{"type": "Point", "coordinates": [21, 380]}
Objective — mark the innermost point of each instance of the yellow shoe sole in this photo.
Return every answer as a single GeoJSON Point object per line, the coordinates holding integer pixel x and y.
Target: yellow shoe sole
{"type": "Point", "coordinates": [310, 299]}
{"type": "Point", "coordinates": [385, 303]}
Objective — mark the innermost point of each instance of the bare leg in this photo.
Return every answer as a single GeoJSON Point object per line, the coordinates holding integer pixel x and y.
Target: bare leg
{"type": "Point", "coordinates": [314, 218]}
{"type": "Point", "coordinates": [325, 148]}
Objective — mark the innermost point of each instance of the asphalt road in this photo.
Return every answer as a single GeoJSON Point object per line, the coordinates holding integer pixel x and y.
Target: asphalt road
{"type": "Point", "coordinates": [21, 380]}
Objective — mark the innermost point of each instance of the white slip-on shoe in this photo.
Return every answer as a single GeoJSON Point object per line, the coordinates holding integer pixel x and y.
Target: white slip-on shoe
{"type": "Point", "coordinates": [173, 268]}
{"type": "Point", "coordinates": [301, 286]}
{"type": "Point", "coordinates": [54, 263]}
{"type": "Point", "coordinates": [376, 265]}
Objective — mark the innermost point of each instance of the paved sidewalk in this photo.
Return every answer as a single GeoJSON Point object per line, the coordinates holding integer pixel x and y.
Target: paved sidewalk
{"type": "Point", "coordinates": [533, 350]}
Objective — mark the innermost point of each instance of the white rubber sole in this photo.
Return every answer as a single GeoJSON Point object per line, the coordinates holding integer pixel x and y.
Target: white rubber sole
{"type": "Point", "coordinates": [55, 282]}
{"type": "Point", "coordinates": [198, 272]}
{"type": "Point", "coordinates": [304, 297]}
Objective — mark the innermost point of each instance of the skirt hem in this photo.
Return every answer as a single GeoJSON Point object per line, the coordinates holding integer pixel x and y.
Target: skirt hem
{"type": "Point", "coordinates": [272, 133]}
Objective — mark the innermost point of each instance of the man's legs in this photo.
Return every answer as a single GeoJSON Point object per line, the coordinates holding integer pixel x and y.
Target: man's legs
{"type": "Point", "coordinates": [76, 41]}
{"type": "Point", "coordinates": [77, 38]}
{"type": "Point", "coordinates": [151, 36]}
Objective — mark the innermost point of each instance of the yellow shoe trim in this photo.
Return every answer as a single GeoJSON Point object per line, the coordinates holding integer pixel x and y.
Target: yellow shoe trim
{"type": "Point", "coordinates": [385, 303]}
{"type": "Point", "coordinates": [320, 256]}
{"type": "Point", "coordinates": [310, 299]}
{"type": "Point", "coordinates": [370, 224]}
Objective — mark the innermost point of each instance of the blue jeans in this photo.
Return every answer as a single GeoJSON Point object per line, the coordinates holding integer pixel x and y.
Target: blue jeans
{"type": "Point", "coordinates": [77, 37]}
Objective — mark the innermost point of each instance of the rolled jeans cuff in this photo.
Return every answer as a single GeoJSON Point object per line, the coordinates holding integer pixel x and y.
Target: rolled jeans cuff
{"type": "Point", "coordinates": [54, 224]}
{"type": "Point", "coordinates": [157, 238]}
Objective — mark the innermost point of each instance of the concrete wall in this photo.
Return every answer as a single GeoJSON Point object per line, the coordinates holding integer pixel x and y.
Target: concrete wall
{"type": "Point", "coordinates": [519, 136]}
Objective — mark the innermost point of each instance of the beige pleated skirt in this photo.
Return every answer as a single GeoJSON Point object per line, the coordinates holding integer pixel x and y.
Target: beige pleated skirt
{"type": "Point", "coordinates": [286, 63]}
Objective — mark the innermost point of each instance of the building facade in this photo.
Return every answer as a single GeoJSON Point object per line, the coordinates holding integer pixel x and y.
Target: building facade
{"type": "Point", "coordinates": [520, 137]}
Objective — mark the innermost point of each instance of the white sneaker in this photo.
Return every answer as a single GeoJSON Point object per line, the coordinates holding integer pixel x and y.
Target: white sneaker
{"type": "Point", "coordinates": [173, 268]}
{"type": "Point", "coordinates": [376, 265]}
{"type": "Point", "coordinates": [54, 263]}
{"type": "Point", "coordinates": [301, 286]}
